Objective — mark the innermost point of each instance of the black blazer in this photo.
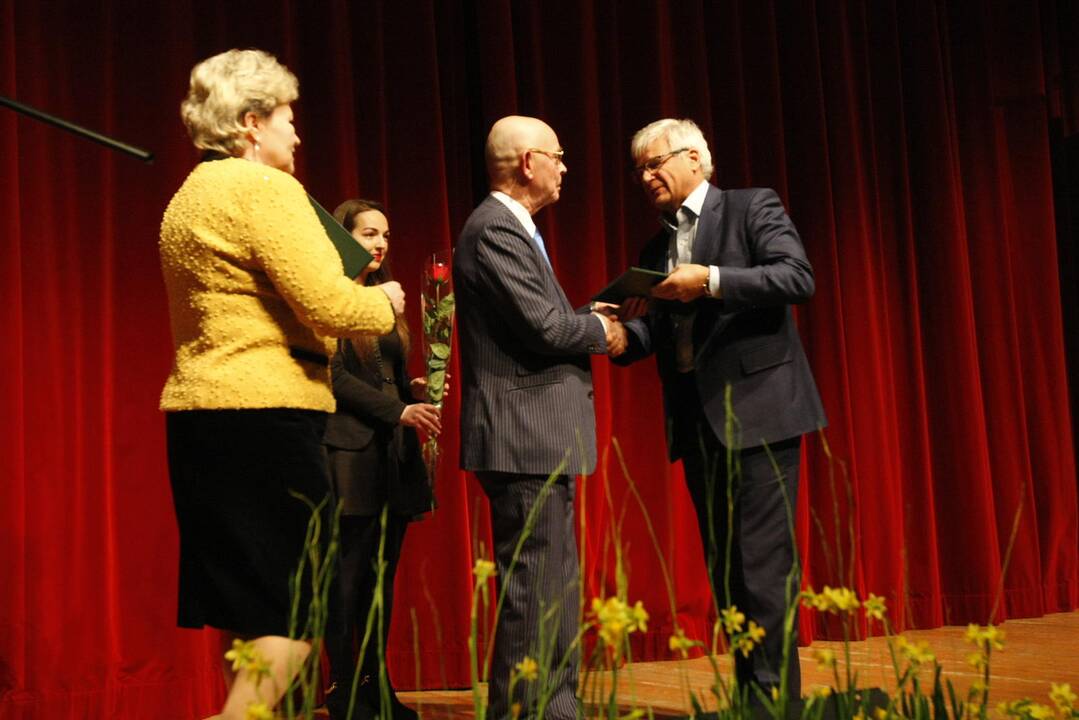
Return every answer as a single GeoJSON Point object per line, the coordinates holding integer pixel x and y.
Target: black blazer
{"type": "Point", "coordinates": [366, 414]}
{"type": "Point", "coordinates": [748, 338]}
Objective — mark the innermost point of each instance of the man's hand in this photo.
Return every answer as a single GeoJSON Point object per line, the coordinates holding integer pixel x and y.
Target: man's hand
{"type": "Point", "coordinates": [685, 283]}
{"type": "Point", "coordinates": [605, 309]}
{"type": "Point", "coordinates": [630, 309]}
{"type": "Point", "coordinates": [422, 416]}
{"type": "Point", "coordinates": [617, 340]}
{"type": "Point", "coordinates": [395, 294]}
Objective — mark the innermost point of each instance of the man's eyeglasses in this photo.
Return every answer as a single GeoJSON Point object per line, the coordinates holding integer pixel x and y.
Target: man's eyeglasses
{"type": "Point", "coordinates": [653, 164]}
{"type": "Point", "coordinates": [555, 155]}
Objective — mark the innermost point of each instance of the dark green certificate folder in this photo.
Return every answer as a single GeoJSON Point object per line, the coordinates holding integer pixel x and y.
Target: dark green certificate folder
{"type": "Point", "coordinates": [353, 256]}
{"type": "Point", "coordinates": [635, 282]}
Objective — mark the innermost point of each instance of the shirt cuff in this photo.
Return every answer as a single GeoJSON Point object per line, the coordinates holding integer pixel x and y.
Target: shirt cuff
{"type": "Point", "coordinates": [713, 281]}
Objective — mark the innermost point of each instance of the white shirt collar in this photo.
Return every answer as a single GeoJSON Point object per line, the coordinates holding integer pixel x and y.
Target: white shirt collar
{"type": "Point", "coordinates": [694, 202]}
{"type": "Point", "coordinates": [518, 211]}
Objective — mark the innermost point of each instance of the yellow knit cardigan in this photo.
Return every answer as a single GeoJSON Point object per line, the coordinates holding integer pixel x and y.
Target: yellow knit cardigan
{"type": "Point", "coordinates": [253, 282]}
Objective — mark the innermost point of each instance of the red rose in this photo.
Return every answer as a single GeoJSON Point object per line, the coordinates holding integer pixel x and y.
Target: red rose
{"type": "Point", "coordinates": [440, 272]}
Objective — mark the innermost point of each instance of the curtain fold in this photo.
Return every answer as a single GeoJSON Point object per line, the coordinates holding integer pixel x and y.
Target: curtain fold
{"type": "Point", "coordinates": [910, 142]}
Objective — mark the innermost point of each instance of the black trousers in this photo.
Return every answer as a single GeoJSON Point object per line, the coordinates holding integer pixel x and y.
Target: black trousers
{"type": "Point", "coordinates": [541, 594]}
{"type": "Point", "coordinates": [352, 596]}
{"type": "Point", "coordinates": [762, 549]}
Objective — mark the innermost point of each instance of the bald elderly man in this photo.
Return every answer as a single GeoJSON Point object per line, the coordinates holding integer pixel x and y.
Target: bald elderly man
{"type": "Point", "coordinates": [526, 404]}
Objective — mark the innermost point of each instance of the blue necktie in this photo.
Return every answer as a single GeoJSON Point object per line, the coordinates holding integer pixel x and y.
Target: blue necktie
{"type": "Point", "coordinates": [542, 248]}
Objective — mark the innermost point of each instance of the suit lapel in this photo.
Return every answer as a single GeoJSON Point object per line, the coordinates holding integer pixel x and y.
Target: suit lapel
{"type": "Point", "coordinates": [706, 241]}
{"type": "Point", "coordinates": [547, 271]}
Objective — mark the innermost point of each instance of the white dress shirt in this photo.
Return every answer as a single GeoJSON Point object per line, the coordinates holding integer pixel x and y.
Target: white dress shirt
{"type": "Point", "coordinates": [684, 231]}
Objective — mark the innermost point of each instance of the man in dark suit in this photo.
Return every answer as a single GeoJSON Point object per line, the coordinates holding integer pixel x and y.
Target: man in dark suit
{"type": "Point", "coordinates": [723, 319]}
{"type": "Point", "coordinates": [526, 405]}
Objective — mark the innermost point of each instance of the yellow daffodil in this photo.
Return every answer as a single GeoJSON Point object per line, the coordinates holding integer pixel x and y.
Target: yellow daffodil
{"type": "Point", "coordinates": [833, 600]}
{"type": "Point", "coordinates": [242, 654]}
{"type": "Point", "coordinates": [515, 710]}
{"type": "Point", "coordinates": [977, 661]}
{"type": "Point", "coordinates": [732, 619]}
{"type": "Point", "coordinates": [483, 570]}
{"type": "Point", "coordinates": [820, 691]}
{"type": "Point", "coordinates": [825, 658]}
{"type": "Point", "coordinates": [640, 617]}
{"type": "Point", "coordinates": [915, 653]}
{"type": "Point", "coordinates": [259, 711]}
{"type": "Point", "coordinates": [811, 599]}
{"type": "Point", "coordinates": [994, 636]}
{"type": "Point", "coordinates": [985, 638]}
{"type": "Point", "coordinates": [755, 632]}
{"type": "Point", "coordinates": [1041, 712]}
{"type": "Point", "coordinates": [1063, 697]}
{"type": "Point", "coordinates": [528, 669]}
{"type": "Point", "coordinates": [775, 693]}
{"type": "Point", "coordinates": [679, 642]}
{"type": "Point", "coordinates": [616, 619]}
{"type": "Point", "coordinates": [875, 607]}
{"type": "Point", "coordinates": [841, 599]}
{"type": "Point", "coordinates": [880, 713]}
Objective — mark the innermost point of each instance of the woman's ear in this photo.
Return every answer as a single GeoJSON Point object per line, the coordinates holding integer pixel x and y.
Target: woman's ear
{"type": "Point", "coordinates": [252, 125]}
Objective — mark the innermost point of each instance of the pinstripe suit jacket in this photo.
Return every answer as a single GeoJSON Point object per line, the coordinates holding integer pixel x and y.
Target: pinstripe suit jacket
{"type": "Point", "coordinates": [526, 387]}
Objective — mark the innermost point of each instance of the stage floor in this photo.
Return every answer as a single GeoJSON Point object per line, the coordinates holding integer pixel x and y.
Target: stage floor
{"type": "Point", "coordinates": [1037, 651]}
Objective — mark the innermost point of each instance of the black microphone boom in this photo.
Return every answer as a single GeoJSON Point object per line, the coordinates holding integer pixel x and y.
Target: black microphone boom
{"type": "Point", "coordinates": [108, 142]}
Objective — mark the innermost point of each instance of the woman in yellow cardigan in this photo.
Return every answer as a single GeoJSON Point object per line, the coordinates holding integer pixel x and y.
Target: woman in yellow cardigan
{"type": "Point", "coordinates": [255, 292]}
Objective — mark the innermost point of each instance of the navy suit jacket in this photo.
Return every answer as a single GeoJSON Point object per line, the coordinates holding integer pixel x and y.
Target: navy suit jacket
{"type": "Point", "coordinates": [747, 338]}
{"type": "Point", "coordinates": [526, 386]}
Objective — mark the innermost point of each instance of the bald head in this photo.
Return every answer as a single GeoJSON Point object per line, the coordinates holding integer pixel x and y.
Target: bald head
{"type": "Point", "coordinates": [510, 138]}
{"type": "Point", "coordinates": [532, 178]}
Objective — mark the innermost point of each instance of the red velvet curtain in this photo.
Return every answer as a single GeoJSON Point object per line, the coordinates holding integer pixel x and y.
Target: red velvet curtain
{"type": "Point", "coordinates": [910, 141]}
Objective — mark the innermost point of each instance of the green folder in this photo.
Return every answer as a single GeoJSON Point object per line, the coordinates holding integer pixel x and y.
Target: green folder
{"type": "Point", "coordinates": [353, 256]}
{"type": "Point", "coordinates": [635, 282]}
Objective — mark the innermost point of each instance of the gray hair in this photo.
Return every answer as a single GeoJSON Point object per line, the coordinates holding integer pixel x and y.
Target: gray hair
{"type": "Point", "coordinates": [226, 87]}
{"type": "Point", "coordinates": [678, 134]}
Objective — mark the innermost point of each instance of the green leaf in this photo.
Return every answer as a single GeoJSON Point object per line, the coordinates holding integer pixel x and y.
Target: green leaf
{"type": "Point", "coordinates": [439, 350]}
{"type": "Point", "coordinates": [436, 381]}
{"type": "Point", "coordinates": [445, 306]}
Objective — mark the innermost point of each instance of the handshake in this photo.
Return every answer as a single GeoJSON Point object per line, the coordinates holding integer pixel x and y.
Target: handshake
{"type": "Point", "coordinates": [615, 316]}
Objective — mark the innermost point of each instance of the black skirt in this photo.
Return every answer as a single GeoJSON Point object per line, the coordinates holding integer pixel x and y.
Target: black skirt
{"type": "Point", "coordinates": [242, 533]}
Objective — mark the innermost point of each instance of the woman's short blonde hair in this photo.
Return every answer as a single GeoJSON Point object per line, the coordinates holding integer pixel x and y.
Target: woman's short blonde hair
{"type": "Point", "coordinates": [226, 87]}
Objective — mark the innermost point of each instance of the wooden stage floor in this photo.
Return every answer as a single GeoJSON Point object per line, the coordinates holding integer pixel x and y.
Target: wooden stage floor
{"type": "Point", "coordinates": [1037, 651]}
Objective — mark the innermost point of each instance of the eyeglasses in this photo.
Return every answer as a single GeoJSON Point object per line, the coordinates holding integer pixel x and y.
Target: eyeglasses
{"type": "Point", "coordinates": [653, 164]}
{"type": "Point", "coordinates": [555, 155]}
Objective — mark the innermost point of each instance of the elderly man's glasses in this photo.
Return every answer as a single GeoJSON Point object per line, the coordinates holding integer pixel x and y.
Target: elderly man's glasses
{"type": "Point", "coordinates": [555, 155]}
{"type": "Point", "coordinates": [653, 164]}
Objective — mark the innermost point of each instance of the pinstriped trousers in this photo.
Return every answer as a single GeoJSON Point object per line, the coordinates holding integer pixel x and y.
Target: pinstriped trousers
{"type": "Point", "coordinates": [542, 593]}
